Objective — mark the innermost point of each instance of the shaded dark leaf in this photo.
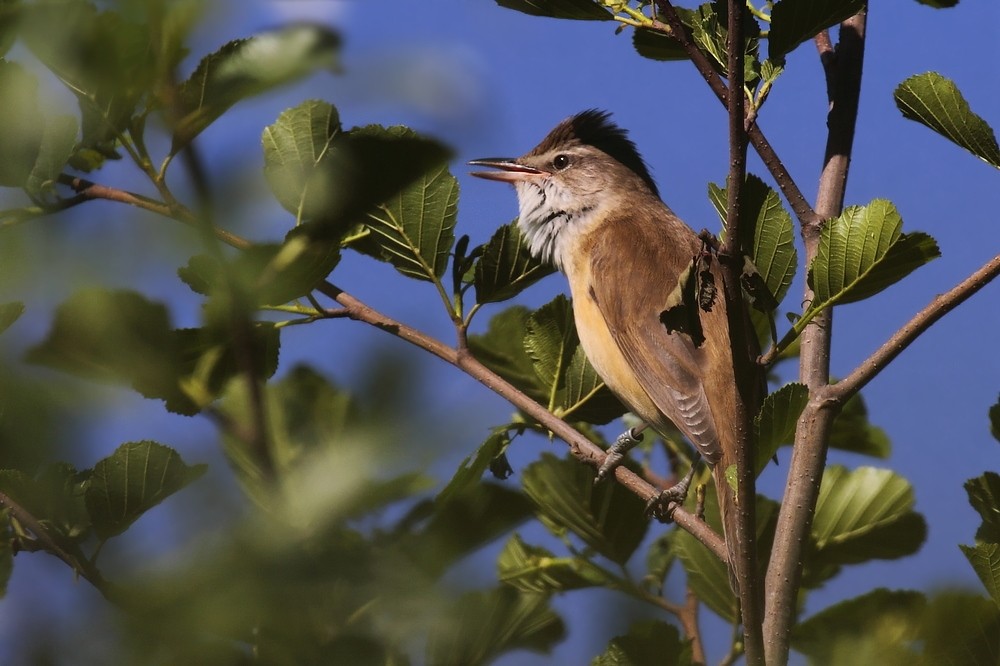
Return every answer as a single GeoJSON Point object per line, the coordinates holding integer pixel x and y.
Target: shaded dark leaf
{"type": "Point", "coordinates": [534, 569]}
{"type": "Point", "coordinates": [984, 496]}
{"type": "Point", "coordinates": [657, 45]}
{"type": "Point", "coordinates": [795, 21]}
{"type": "Point", "coordinates": [506, 267]}
{"type": "Point", "coordinates": [994, 418]}
{"type": "Point", "coordinates": [21, 124]}
{"type": "Point", "coordinates": [470, 471]}
{"type": "Point", "coordinates": [648, 643]}
{"type": "Point", "coordinates": [502, 350]}
{"type": "Point", "coordinates": [961, 628]}
{"type": "Point", "coordinates": [851, 431]}
{"type": "Point", "coordinates": [587, 397]}
{"type": "Point", "coordinates": [775, 425]}
{"type": "Point", "coordinates": [57, 145]}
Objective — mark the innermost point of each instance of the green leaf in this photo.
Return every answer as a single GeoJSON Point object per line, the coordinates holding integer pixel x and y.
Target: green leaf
{"type": "Point", "coordinates": [984, 496]}
{"type": "Point", "coordinates": [709, 28]}
{"type": "Point", "coordinates": [415, 228]}
{"type": "Point", "coordinates": [607, 517]}
{"type": "Point", "coordinates": [647, 643]}
{"type": "Point", "coordinates": [939, 4]}
{"type": "Point", "coordinates": [584, 10]}
{"type": "Point", "coordinates": [56, 147]}
{"type": "Point", "coordinates": [535, 569]}
{"type": "Point", "coordinates": [873, 629]}
{"type": "Point", "coordinates": [55, 497]}
{"type": "Point", "coordinates": [862, 252]}
{"type": "Point", "coordinates": [502, 350]}
{"type": "Point", "coordinates": [480, 626]}
{"type": "Point", "coordinates": [9, 18]}
{"type": "Point", "coordinates": [9, 313]}
{"type": "Point", "coordinates": [865, 514]}
{"type": "Point", "coordinates": [961, 628]}
{"type": "Point", "coordinates": [247, 67]}
{"type": "Point", "coordinates": [994, 415]}
{"type": "Point", "coordinates": [21, 124]}
{"type": "Point", "coordinates": [587, 397]}
{"type": "Point", "coordinates": [657, 45]}
{"type": "Point", "coordinates": [6, 552]}
{"type": "Point", "coordinates": [131, 481]}
{"type": "Point", "coordinates": [105, 59]}
{"type": "Point", "coordinates": [985, 559]}
{"type": "Point", "coordinates": [301, 159]}
{"type": "Point", "coordinates": [851, 431]}
{"type": "Point", "coordinates": [775, 425]}
{"type": "Point", "coordinates": [934, 101]}
{"type": "Point", "coordinates": [767, 230]}
{"type": "Point", "coordinates": [506, 267]}
{"type": "Point", "coordinates": [795, 21]}
{"type": "Point", "coordinates": [551, 341]}
{"type": "Point", "coordinates": [659, 560]}
{"type": "Point", "coordinates": [707, 575]}
{"type": "Point", "coordinates": [470, 471]}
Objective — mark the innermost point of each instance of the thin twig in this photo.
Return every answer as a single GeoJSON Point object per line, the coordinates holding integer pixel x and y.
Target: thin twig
{"type": "Point", "coordinates": [812, 433]}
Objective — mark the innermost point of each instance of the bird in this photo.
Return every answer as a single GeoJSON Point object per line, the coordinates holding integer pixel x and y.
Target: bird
{"type": "Point", "coordinates": [589, 206]}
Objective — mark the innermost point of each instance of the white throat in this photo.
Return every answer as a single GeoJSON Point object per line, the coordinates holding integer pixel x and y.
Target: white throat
{"type": "Point", "coordinates": [551, 219]}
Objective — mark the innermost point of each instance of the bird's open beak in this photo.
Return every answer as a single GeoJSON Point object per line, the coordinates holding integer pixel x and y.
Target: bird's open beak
{"type": "Point", "coordinates": [509, 170]}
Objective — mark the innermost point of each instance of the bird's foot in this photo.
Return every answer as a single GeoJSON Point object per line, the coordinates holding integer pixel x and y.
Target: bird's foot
{"type": "Point", "coordinates": [662, 506]}
{"type": "Point", "coordinates": [616, 452]}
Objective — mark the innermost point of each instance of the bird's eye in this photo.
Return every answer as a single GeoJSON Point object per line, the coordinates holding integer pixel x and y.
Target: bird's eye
{"type": "Point", "coordinates": [560, 162]}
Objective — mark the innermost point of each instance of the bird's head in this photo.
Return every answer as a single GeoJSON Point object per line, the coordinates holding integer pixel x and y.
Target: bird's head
{"type": "Point", "coordinates": [571, 180]}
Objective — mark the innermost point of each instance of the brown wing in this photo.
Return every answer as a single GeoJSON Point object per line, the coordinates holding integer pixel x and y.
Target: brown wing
{"type": "Point", "coordinates": [631, 295]}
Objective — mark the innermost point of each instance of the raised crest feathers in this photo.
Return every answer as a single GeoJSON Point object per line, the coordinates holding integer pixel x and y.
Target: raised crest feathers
{"type": "Point", "coordinates": [594, 128]}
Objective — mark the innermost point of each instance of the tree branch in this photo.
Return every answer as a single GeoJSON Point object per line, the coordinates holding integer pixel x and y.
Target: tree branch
{"type": "Point", "coordinates": [803, 211]}
{"type": "Point", "coordinates": [813, 430]}
{"type": "Point", "coordinates": [731, 260]}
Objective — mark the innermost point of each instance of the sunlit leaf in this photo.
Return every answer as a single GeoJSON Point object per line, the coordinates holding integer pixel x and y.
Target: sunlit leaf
{"type": "Point", "coordinates": [551, 341]}
{"type": "Point", "coordinates": [767, 231]}
{"type": "Point", "coordinates": [862, 252]}
{"type": "Point", "coordinates": [585, 10]}
{"type": "Point", "coordinates": [607, 517]}
{"type": "Point", "coordinates": [131, 481]}
{"type": "Point", "coordinates": [483, 625]}
{"type": "Point", "coordinates": [865, 514]}
{"type": "Point", "coordinates": [934, 101]}
{"type": "Point", "coordinates": [647, 643]}
{"type": "Point", "coordinates": [775, 424]}
{"type": "Point", "coordinates": [506, 267]}
{"type": "Point", "coordinates": [534, 569]}
{"type": "Point", "coordinates": [247, 67]}
{"type": "Point", "coordinates": [985, 559]}
{"type": "Point", "coordinates": [795, 21]}
{"type": "Point", "coordinates": [587, 397]}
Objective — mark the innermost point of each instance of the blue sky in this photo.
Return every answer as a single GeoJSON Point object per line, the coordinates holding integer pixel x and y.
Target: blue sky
{"type": "Point", "coordinates": [490, 81]}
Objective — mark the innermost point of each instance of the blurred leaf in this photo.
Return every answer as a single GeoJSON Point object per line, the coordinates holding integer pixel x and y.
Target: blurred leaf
{"type": "Point", "coordinates": [994, 417]}
{"type": "Point", "coordinates": [301, 158]}
{"type": "Point", "coordinates": [767, 230]}
{"type": "Point", "coordinates": [587, 398]}
{"type": "Point", "coordinates": [551, 341]}
{"type": "Point", "coordinates": [131, 481]}
{"type": "Point", "coordinates": [939, 4]}
{"type": "Point", "coordinates": [507, 267]}
{"type": "Point", "coordinates": [607, 517]}
{"type": "Point", "coordinates": [865, 514]}
{"type": "Point", "coordinates": [873, 629]}
{"type": "Point", "coordinates": [984, 496]}
{"type": "Point", "coordinates": [9, 313]}
{"type": "Point", "coordinates": [795, 21]}
{"type": "Point", "coordinates": [480, 626]}
{"type": "Point", "coordinates": [851, 431]}
{"type": "Point", "coordinates": [585, 10]}
{"type": "Point", "coordinates": [103, 58]}
{"type": "Point", "coordinates": [775, 425]}
{"type": "Point", "coordinates": [9, 18]}
{"type": "Point", "coordinates": [247, 67]}
{"type": "Point", "coordinates": [659, 560]}
{"type": "Point", "coordinates": [536, 569]}
{"type": "Point", "coordinates": [648, 643]}
{"type": "Point", "coordinates": [985, 559]}
{"type": "Point", "coordinates": [934, 101]}
{"type": "Point", "coordinates": [55, 497]}
{"type": "Point", "coordinates": [56, 148]}
{"type": "Point", "coordinates": [415, 228]}
{"type": "Point", "coordinates": [502, 350]}
{"type": "Point", "coordinates": [470, 471]}
{"type": "Point", "coordinates": [862, 252]}
{"type": "Point", "coordinates": [657, 45]}
{"type": "Point", "coordinates": [6, 552]}
{"type": "Point", "coordinates": [21, 124]}
{"type": "Point", "coordinates": [481, 514]}
{"type": "Point", "coordinates": [961, 628]}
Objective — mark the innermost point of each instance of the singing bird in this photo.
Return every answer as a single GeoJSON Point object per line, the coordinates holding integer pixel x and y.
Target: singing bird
{"type": "Point", "coordinates": [589, 206]}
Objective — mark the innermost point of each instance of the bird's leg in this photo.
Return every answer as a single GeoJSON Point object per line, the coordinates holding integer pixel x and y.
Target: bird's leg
{"type": "Point", "coordinates": [616, 452]}
{"type": "Point", "coordinates": [677, 493]}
